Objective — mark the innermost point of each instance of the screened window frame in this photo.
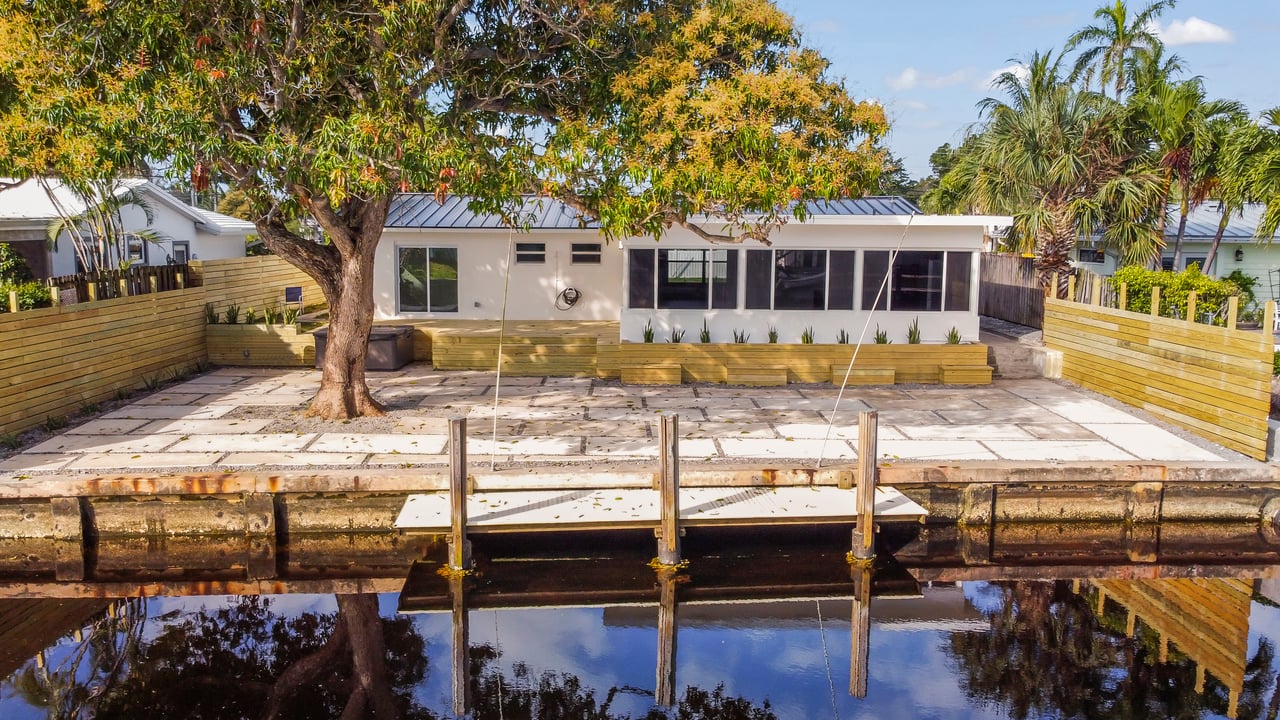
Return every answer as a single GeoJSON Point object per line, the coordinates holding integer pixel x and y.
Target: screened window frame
{"type": "Point", "coordinates": [731, 265]}
{"type": "Point", "coordinates": [943, 279]}
{"type": "Point", "coordinates": [531, 253]}
{"type": "Point", "coordinates": [586, 253]}
{"type": "Point", "coordinates": [826, 276]}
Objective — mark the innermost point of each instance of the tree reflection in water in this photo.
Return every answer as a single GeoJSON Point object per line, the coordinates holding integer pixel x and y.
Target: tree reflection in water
{"type": "Point", "coordinates": [1049, 654]}
{"type": "Point", "coordinates": [246, 661]}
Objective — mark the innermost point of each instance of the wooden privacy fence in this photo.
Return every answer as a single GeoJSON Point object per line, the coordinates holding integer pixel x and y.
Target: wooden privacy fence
{"type": "Point", "coordinates": [136, 280]}
{"type": "Point", "coordinates": [55, 361]}
{"type": "Point", "coordinates": [1214, 381]}
{"type": "Point", "coordinates": [1009, 290]}
{"type": "Point", "coordinates": [252, 282]}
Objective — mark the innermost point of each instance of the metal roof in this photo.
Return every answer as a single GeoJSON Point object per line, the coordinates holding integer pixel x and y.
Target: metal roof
{"type": "Point", "coordinates": [421, 210]}
{"type": "Point", "coordinates": [1202, 223]}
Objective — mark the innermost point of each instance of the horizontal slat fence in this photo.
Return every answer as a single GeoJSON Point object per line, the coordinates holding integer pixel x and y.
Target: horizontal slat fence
{"type": "Point", "coordinates": [54, 361]}
{"type": "Point", "coordinates": [1210, 380]}
{"type": "Point", "coordinates": [256, 282]}
{"type": "Point", "coordinates": [1009, 290]}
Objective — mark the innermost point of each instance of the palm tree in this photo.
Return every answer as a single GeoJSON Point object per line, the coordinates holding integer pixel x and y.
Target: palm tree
{"type": "Point", "coordinates": [1255, 154]}
{"type": "Point", "coordinates": [1112, 40]}
{"type": "Point", "coordinates": [1061, 161]}
{"type": "Point", "coordinates": [1179, 120]}
{"type": "Point", "coordinates": [97, 232]}
{"type": "Point", "coordinates": [1221, 177]}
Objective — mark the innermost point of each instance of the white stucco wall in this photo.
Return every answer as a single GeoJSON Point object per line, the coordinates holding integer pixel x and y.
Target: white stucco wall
{"type": "Point", "coordinates": [826, 324]}
{"type": "Point", "coordinates": [482, 264]}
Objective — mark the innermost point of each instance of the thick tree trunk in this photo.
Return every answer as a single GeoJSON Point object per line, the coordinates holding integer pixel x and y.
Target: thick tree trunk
{"type": "Point", "coordinates": [1053, 253]}
{"type": "Point", "coordinates": [344, 271]}
{"type": "Point", "coordinates": [344, 392]}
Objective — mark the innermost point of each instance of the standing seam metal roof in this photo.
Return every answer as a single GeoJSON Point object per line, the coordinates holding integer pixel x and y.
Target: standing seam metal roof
{"type": "Point", "coordinates": [421, 210]}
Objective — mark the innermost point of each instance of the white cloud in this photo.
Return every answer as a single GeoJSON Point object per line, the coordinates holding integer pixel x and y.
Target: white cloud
{"type": "Point", "coordinates": [1017, 69]}
{"type": "Point", "coordinates": [912, 78]}
{"type": "Point", "coordinates": [1191, 31]}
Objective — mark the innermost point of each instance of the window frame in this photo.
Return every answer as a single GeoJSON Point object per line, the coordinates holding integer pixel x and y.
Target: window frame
{"type": "Point", "coordinates": [943, 279]}
{"type": "Point", "coordinates": [427, 251]}
{"type": "Point", "coordinates": [531, 253]}
{"type": "Point", "coordinates": [586, 253]}
{"type": "Point", "coordinates": [728, 267]}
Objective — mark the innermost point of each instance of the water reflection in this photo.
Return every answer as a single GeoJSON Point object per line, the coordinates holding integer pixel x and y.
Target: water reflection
{"type": "Point", "coordinates": [792, 634]}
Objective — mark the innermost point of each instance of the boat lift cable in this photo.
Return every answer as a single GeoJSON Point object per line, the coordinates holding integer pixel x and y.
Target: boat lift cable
{"type": "Point", "coordinates": [893, 257]}
{"type": "Point", "coordinates": [502, 330]}
{"type": "Point", "coordinates": [826, 657]}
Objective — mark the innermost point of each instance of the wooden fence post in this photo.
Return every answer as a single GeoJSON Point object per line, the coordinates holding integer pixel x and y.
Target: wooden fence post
{"type": "Point", "coordinates": [124, 286]}
{"type": "Point", "coordinates": [13, 301]}
{"type": "Point", "coordinates": [1269, 317]}
{"type": "Point", "coordinates": [93, 291]}
{"type": "Point", "coordinates": [459, 545]}
{"type": "Point", "coordinates": [1071, 287]}
{"type": "Point", "coordinates": [1233, 311]}
{"type": "Point", "coordinates": [1191, 307]}
{"type": "Point", "coordinates": [154, 282]}
{"type": "Point", "coordinates": [1053, 286]}
{"type": "Point", "coordinates": [864, 545]}
{"type": "Point", "coordinates": [669, 490]}
{"type": "Point", "coordinates": [1096, 291]}
{"type": "Point", "coordinates": [181, 281]}
{"type": "Point", "coordinates": [1123, 303]}
{"type": "Point", "coordinates": [1155, 301]}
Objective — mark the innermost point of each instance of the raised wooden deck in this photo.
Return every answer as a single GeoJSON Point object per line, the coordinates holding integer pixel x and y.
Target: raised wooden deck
{"type": "Point", "coordinates": [548, 510]}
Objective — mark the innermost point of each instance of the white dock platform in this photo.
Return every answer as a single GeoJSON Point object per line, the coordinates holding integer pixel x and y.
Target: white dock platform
{"type": "Point", "coordinates": [522, 511]}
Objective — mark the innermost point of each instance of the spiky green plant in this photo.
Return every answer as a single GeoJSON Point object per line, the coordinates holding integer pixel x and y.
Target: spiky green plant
{"type": "Point", "coordinates": [705, 335]}
{"type": "Point", "coordinates": [882, 337]}
{"type": "Point", "coordinates": [648, 331]}
{"type": "Point", "coordinates": [773, 334]}
{"type": "Point", "coordinates": [953, 336]}
{"type": "Point", "coordinates": [913, 332]}
{"type": "Point", "coordinates": [741, 336]}
{"type": "Point", "coordinates": [842, 337]}
{"type": "Point", "coordinates": [232, 314]}
{"type": "Point", "coordinates": [676, 336]}
{"type": "Point", "coordinates": [806, 335]}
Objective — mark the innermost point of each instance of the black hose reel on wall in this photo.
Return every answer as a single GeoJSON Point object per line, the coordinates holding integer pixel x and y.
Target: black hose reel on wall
{"type": "Point", "coordinates": [567, 298]}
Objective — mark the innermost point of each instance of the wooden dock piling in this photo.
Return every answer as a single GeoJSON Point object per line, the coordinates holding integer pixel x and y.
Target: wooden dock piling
{"type": "Point", "coordinates": [459, 545]}
{"type": "Point", "coordinates": [864, 546]}
{"type": "Point", "coordinates": [665, 694]}
{"type": "Point", "coordinates": [461, 663]}
{"type": "Point", "coordinates": [669, 490]}
{"type": "Point", "coordinates": [860, 655]}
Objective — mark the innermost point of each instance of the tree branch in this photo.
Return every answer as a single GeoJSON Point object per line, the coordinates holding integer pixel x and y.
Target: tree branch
{"type": "Point", "coordinates": [305, 670]}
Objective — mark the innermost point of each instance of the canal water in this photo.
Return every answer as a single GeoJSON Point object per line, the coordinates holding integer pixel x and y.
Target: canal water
{"type": "Point", "coordinates": [552, 634]}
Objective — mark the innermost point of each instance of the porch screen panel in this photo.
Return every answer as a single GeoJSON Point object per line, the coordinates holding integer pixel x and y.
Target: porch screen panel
{"type": "Point", "coordinates": [640, 276]}
{"type": "Point", "coordinates": [443, 295]}
{"type": "Point", "coordinates": [917, 281]}
{"type": "Point", "coordinates": [682, 279]}
{"type": "Point", "coordinates": [875, 265]}
{"type": "Point", "coordinates": [413, 279]}
{"type": "Point", "coordinates": [842, 277]}
{"type": "Point", "coordinates": [800, 282]}
{"type": "Point", "coordinates": [724, 279]}
{"type": "Point", "coordinates": [759, 279]}
{"type": "Point", "coordinates": [958, 267]}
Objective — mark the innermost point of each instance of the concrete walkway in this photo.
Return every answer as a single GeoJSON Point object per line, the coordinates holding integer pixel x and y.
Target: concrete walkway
{"type": "Point", "coordinates": [250, 419]}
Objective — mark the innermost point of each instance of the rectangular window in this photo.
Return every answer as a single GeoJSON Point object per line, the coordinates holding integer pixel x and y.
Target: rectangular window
{"type": "Point", "coordinates": [531, 253]}
{"type": "Point", "coordinates": [181, 252]}
{"type": "Point", "coordinates": [586, 253]}
{"type": "Point", "coordinates": [958, 267]}
{"type": "Point", "coordinates": [759, 279]}
{"type": "Point", "coordinates": [137, 249]}
{"type": "Point", "coordinates": [1091, 255]}
{"type": "Point", "coordinates": [800, 280]}
{"type": "Point", "coordinates": [842, 275]}
{"type": "Point", "coordinates": [875, 265]}
{"type": "Point", "coordinates": [428, 279]}
{"type": "Point", "coordinates": [640, 277]}
{"type": "Point", "coordinates": [683, 279]}
{"type": "Point", "coordinates": [916, 283]}
{"type": "Point", "coordinates": [724, 279]}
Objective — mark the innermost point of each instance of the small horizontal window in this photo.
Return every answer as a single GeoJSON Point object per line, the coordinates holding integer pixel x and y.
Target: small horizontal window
{"type": "Point", "coordinates": [531, 252]}
{"type": "Point", "coordinates": [586, 253]}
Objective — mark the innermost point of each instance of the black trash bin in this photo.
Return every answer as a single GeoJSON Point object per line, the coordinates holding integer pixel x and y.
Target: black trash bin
{"type": "Point", "coordinates": [390, 347]}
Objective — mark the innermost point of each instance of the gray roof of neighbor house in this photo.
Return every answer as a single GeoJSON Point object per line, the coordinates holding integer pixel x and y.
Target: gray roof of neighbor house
{"type": "Point", "coordinates": [420, 210]}
{"type": "Point", "coordinates": [1202, 223]}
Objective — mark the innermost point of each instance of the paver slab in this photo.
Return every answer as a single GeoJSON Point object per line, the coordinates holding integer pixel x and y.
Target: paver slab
{"type": "Point", "coordinates": [378, 443]}
{"type": "Point", "coordinates": [166, 412]}
{"type": "Point", "coordinates": [190, 426]}
{"type": "Point", "coordinates": [799, 449]}
{"type": "Point", "coordinates": [142, 461]}
{"type": "Point", "coordinates": [273, 442]}
{"type": "Point", "coordinates": [1150, 443]}
{"type": "Point", "coordinates": [108, 427]}
{"type": "Point", "coordinates": [104, 443]}
{"type": "Point", "coordinates": [307, 459]}
{"type": "Point", "coordinates": [1041, 450]}
{"type": "Point", "coordinates": [934, 450]}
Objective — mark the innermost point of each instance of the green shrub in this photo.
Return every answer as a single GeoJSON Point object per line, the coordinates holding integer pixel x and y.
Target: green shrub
{"type": "Point", "coordinates": [705, 335]}
{"type": "Point", "coordinates": [1246, 283]}
{"type": "Point", "coordinates": [882, 337]}
{"type": "Point", "coordinates": [953, 336]}
{"type": "Point", "coordinates": [1275, 363]}
{"type": "Point", "coordinates": [1211, 294]}
{"type": "Point", "coordinates": [13, 267]}
{"type": "Point", "coordinates": [913, 332]}
{"type": "Point", "coordinates": [806, 336]}
{"type": "Point", "coordinates": [31, 295]}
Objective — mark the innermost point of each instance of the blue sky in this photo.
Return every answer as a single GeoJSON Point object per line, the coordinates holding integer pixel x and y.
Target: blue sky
{"type": "Point", "coordinates": [929, 61]}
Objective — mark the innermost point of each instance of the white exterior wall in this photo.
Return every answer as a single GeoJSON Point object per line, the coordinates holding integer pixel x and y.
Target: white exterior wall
{"type": "Point", "coordinates": [826, 324]}
{"type": "Point", "coordinates": [174, 226]}
{"type": "Point", "coordinates": [482, 264]}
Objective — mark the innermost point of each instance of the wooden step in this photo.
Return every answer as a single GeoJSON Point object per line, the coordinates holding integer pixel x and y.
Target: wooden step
{"type": "Point", "coordinates": [862, 376]}
{"type": "Point", "coordinates": [964, 374]}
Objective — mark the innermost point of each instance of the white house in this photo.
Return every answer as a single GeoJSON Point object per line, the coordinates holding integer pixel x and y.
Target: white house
{"type": "Point", "coordinates": [187, 233]}
{"type": "Point", "coordinates": [440, 261]}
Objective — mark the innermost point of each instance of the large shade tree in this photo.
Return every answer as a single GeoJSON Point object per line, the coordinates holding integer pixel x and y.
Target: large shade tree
{"type": "Point", "coordinates": [639, 113]}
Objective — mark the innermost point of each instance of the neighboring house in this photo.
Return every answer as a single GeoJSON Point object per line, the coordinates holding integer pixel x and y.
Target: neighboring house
{"type": "Point", "coordinates": [188, 233]}
{"type": "Point", "coordinates": [1241, 249]}
{"type": "Point", "coordinates": [443, 262]}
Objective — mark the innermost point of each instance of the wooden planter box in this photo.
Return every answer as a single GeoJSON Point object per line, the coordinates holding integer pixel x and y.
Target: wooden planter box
{"type": "Point", "coordinates": [260, 345]}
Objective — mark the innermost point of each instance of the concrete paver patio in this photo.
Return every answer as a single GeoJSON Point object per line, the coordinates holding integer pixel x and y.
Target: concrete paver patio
{"type": "Point", "coordinates": [248, 418]}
